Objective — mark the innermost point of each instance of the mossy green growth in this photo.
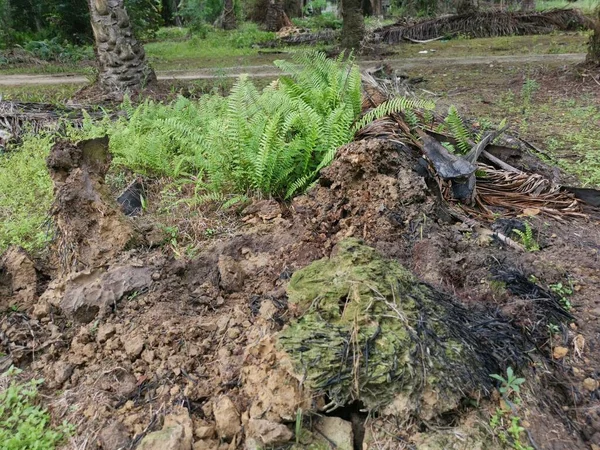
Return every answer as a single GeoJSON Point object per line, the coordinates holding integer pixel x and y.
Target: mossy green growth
{"type": "Point", "coordinates": [371, 331]}
{"type": "Point", "coordinates": [25, 195]}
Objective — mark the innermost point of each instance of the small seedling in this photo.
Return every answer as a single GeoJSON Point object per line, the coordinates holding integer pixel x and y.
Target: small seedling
{"type": "Point", "coordinates": [564, 293]}
{"type": "Point", "coordinates": [527, 238]}
{"type": "Point", "coordinates": [144, 203]}
{"type": "Point", "coordinates": [298, 428]}
{"type": "Point", "coordinates": [509, 385]}
{"type": "Point", "coordinates": [510, 389]}
{"type": "Point", "coordinates": [553, 329]}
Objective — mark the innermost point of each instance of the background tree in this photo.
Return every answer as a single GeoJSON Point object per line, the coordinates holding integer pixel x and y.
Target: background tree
{"type": "Point", "coordinates": [527, 5]}
{"type": "Point", "coordinates": [593, 55]}
{"type": "Point", "coordinates": [121, 58]}
{"type": "Point", "coordinates": [353, 24]}
{"type": "Point", "coordinates": [276, 17]}
{"type": "Point", "coordinates": [170, 12]}
{"type": "Point", "coordinates": [229, 19]}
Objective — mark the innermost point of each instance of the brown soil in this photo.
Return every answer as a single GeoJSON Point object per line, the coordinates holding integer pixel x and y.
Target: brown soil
{"type": "Point", "coordinates": [178, 337]}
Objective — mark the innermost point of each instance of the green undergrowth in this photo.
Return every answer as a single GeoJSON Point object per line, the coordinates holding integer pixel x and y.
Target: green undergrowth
{"type": "Point", "coordinates": [54, 94]}
{"type": "Point", "coordinates": [269, 143]}
{"type": "Point", "coordinates": [25, 194]}
{"type": "Point", "coordinates": [569, 128]}
{"type": "Point", "coordinates": [24, 423]}
{"type": "Point", "coordinates": [210, 48]}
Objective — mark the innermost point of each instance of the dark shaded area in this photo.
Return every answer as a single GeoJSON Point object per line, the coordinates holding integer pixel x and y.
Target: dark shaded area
{"type": "Point", "coordinates": [131, 200]}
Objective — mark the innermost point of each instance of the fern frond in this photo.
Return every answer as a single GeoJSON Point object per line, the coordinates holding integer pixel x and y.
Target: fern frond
{"type": "Point", "coordinates": [459, 130]}
{"type": "Point", "coordinates": [396, 104]}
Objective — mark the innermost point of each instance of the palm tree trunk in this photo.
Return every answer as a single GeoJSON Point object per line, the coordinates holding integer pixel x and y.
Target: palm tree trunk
{"type": "Point", "coordinates": [229, 19]}
{"type": "Point", "coordinates": [353, 24]}
{"type": "Point", "coordinates": [276, 17]}
{"type": "Point", "coordinates": [121, 58]}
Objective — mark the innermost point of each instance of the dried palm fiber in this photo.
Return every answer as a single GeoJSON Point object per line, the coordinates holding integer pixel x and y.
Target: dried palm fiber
{"type": "Point", "coordinates": [486, 24]}
{"type": "Point", "coordinates": [510, 193]}
{"type": "Point", "coordinates": [377, 90]}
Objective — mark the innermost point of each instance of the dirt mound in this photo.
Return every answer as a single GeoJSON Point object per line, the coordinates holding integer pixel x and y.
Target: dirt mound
{"type": "Point", "coordinates": [203, 334]}
{"type": "Point", "coordinates": [368, 326]}
{"type": "Point", "coordinates": [18, 280]}
{"type": "Point", "coordinates": [91, 229]}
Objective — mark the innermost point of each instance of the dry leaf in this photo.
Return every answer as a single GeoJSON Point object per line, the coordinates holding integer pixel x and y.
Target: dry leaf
{"type": "Point", "coordinates": [531, 212]}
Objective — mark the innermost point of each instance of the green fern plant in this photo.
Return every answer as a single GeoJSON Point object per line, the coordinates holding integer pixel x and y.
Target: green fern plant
{"type": "Point", "coordinates": [270, 143]}
{"type": "Point", "coordinates": [394, 105]}
{"type": "Point", "coordinates": [527, 238]}
{"type": "Point", "coordinates": [458, 129]}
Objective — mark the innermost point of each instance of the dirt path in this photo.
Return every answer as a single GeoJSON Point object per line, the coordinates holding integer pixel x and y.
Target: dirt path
{"type": "Point", "coordinates": [268, 71]}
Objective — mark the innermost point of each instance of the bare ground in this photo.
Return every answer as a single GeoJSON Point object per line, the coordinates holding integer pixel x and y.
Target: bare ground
{"type": "Point", "coordinates": [165, 338]}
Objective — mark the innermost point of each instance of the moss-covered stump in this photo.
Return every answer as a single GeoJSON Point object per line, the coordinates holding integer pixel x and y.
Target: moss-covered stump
{"type": "Point", "coordinates": [371, 331]}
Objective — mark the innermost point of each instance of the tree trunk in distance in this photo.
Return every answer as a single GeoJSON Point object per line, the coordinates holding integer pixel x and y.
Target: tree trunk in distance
{"type": "Point", "coordinates": [276, 17]}
{"type": "Point", "coordinates": [353, 25]}
{"type": "Point", "coordinates": [593, 55]}
{"type": "Point", "coordinates": [122, 63]}
{"type": "Point", "coordinates": [229, 21]}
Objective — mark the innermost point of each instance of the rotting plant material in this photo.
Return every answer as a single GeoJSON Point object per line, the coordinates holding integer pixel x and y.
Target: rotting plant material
{"type": "Point", "coordinates": [370, 331]}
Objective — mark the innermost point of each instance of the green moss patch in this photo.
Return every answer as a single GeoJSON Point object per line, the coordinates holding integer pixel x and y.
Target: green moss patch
{"type": "Point", "coordinates": [371, 331]}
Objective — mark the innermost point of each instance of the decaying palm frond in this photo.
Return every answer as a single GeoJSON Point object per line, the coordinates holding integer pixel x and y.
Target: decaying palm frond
{"type": "Point", "coordinates": [485, 24]}
{"type": "Point", "coordinates": [16, 118]}
{"type": "Point", "coordinates": [484, 191]}
{"type": "Point", "coordinates": [509, 193]}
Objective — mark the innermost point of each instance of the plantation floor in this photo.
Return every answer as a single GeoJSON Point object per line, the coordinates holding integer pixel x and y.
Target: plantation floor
{"type": "Point", "coordinates": [555, 105]}
{"type": "Point", "coordinates": [269, 71]}
{"type": "Point", "coordinates": [199, 329]}
{"type": "Point", "coordinates": [201, 332]}
{"type": "Point", "coordinates": [195, 54]}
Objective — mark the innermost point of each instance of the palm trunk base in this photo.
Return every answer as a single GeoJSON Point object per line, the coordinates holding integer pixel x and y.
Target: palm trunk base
{"type": "Point", "coordinates": [122, 63]}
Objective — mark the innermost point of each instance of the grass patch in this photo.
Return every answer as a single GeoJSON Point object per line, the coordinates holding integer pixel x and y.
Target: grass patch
{"type": "Point", "coordinates": [586, 6]}
{"type": "Point", "coordinates": [578, 148]}
{"type": "Point", "coordinates": [557, 43]}
{"type": "Point", "coordinates": [55, 94]}
{"type": "Point", "coordinates": [25, 195]}
{"type": "Point", "coordinates": [214, 48]}
{"type": "Point", "coordinates": [24, 423]}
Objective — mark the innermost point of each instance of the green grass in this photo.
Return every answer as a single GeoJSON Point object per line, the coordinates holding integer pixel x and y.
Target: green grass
{"type": "Point", "coordinates": [586, 6]}
{"type": "Point", "coordinates": [568, 127]}
{"type": "Point", "coordinates": [578, 147]}
{"type": "Point", "coordinates": [216, 49]}
{"type": "Point", "coordinates": [56, 94]}
{"type": "Point", "coordinates": [557, 43]}
{"type": "Point", "coordinates": [25, 195]}
{"type": "Point", "coordinates": [24, 424]}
